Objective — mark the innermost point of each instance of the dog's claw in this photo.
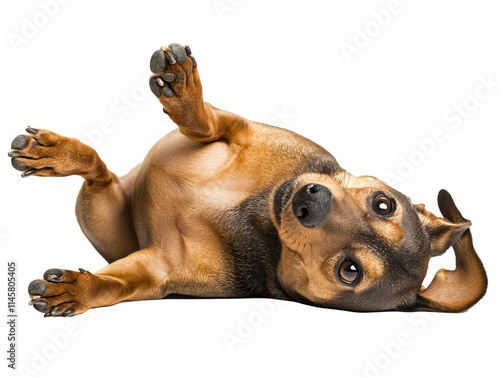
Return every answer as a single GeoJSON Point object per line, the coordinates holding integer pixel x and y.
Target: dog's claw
{"type": "Point", "coordinates": [55, 311]}
{"type": "Point", "coordinates": [188, 50]}
{"type": "Point", "coordinates": [28, 173]}
{"type": "Point", "coordinates": [33, 300]}
{"type": "Point", "coordinates": [158, 62]}
{"type": "Point", "coordinates": [160, 81]}
{"type": "Point", "coordinates": [68, 312]}
{"type": "Point", "coordinates": [31, 130]}
{"type": "Point", "coordinates": [14, 154]}
{"type": "Point", "coordinates": [194, 61]}
{"type": "Point", "coordinates": [19, 142]}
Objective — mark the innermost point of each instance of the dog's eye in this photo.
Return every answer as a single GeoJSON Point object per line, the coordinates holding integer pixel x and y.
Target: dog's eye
{"type": "Point", "coordinates": [349, 272]}
{"type": "Point", "coordinates": [383, 205]}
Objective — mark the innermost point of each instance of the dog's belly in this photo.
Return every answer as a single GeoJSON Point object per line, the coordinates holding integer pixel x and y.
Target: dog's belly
{"type": "Point", "coordinates": [187, 194]}
{"type": "Point", "coordinates": [183, 183]}
{"type": "Point", "coordinates": [181, 178]}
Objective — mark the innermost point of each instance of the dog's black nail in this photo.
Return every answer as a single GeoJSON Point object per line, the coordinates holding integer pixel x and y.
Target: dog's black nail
{"type": "Point", "coordinates": [37, 287]}
{"type": "Point", "coordinates": [179, 52]}
{"type": "Point", "coordinates": [19, 142]}
{"type": "Point", "coordinates": [158, 62]}
{"type": "Point", "coordinates": [188, 50]}
{"type": "Point", "coordinates": [81, 270]}
{"type": "Point", "coordinates": [55, 311]}
{"type": "Point", "coordinates": [167, 91]}
{"type": "Point", "coordinates": [52, 272]}
{"type": "Point", "coordinates": [194, 61]}
{"type": "Point", "coordinates": [28, 173]}
{"type": "Point", "coordinates": [17, 165]}
{"type": "Point", "coordinates": [153, 85]}
{"type": "Point", "coordinates": [48, 314]}
{"type": "Point", "coordinates": [168, 77]}
{"type": "Point", "coordinates": [41, 306]}
{"type": "Point", "coordinates": [170, 57]}
{"type": "Point", "coordinates": [14, 154]}
{"type": "Point", "coordinates": [68, 312]}
{"type": "Point", "coordinates": [165, 111]}
{"type": "Point", "coordinates": [31, 130]}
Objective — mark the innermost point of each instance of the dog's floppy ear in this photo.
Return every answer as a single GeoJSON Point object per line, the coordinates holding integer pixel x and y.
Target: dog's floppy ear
{"type": "Point", "coordinates": [457, 290]}
{"type": "Point", "coordinates": [442, 233]}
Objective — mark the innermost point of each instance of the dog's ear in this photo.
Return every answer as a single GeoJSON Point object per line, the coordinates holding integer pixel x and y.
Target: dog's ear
{"type": "Point", "coordinates": [442, 233]}
{"type": "Point", "coordinates": [457, 290]}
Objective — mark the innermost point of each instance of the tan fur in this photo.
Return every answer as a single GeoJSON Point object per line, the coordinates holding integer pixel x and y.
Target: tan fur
{"type": "Point", "coordinates": [163, 230]}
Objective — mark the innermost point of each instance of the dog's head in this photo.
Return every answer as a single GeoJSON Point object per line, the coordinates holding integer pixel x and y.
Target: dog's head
{"type": "Point", "coordinates": [355, 243]}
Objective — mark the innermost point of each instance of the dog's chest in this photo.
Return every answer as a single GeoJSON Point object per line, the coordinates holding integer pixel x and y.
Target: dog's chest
{"type": "Point", "coordinates": [251, 245]}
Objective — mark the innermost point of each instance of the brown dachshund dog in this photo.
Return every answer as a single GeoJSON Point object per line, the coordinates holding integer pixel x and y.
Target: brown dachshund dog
{"type": "Point", "coordinates": [227, 207]}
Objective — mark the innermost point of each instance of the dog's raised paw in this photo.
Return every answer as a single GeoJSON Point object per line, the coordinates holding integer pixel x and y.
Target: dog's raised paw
{"type": "Point", "coordinates": [46, 154]}
{"type": "Point", "coordinates": [172, 68]}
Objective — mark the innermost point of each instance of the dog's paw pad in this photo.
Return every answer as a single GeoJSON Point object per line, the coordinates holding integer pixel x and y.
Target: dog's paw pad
{"type": "Point", "coordinates": [179, 52]}
{"type": "Point", "coordinates": [20, 142]}
{"type": "Point", "coordinates": [168, 77]}
{"type": "Point", "coordinates": [37, 287]}
{"type": "Point", "coordinates": [154, 86]}
{"type": "Point", "coordinates": [167, 91]}
{"type": "Point", "coordinates": [18, 165]}
{"type": "Point", "coordinates": [41, 306]}
{"type": "Point", "coordinates": [158, 62]}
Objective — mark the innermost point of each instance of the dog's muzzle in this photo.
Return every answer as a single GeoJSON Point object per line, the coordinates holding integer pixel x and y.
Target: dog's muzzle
{"type": "Point", "coordinates": [311, 204]}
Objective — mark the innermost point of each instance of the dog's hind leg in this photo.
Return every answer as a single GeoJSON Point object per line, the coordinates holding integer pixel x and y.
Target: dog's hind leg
{"type": "Point", "coordinates": [103, 205]}
{"type": "Point", "coordinates": [104, 214]}
{"type": "Point", "coordinates": [177, 85]}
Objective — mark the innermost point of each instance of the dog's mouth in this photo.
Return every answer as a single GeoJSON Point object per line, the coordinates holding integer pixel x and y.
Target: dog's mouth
{"type": "Point", "coordinates": [283, 197]}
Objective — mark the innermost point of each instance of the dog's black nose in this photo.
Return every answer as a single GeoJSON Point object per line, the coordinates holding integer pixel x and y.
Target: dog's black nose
{"type": "Point", "coordinates": [311, 204]}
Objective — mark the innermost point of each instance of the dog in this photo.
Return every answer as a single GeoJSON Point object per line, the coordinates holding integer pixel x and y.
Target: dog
{"type": "Point", "coordinates": [227, 207]}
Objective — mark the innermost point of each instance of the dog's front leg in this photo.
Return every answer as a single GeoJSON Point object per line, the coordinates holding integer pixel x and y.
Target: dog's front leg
{"type": "Point", "coordinates": [177, 85]}
{"type": "Point", "coordinates": [65, 292]}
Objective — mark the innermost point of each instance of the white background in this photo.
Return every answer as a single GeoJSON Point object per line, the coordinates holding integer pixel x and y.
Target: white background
{"type": "Point", "coordinates": [277, 62]}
